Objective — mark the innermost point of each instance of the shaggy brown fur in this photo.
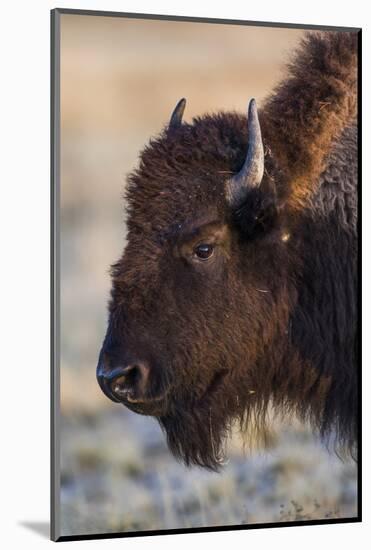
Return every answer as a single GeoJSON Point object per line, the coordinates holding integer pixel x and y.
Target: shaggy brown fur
{"type": "Point", "coordinates": [309, 110]}
{"type": "Point", "coordinates": [271, 317]}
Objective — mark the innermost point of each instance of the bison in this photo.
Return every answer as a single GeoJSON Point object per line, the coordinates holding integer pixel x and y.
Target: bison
{"type": "Point", "coordinates": [236, 292]}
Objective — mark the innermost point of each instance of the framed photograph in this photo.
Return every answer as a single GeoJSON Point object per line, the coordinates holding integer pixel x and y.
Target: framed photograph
{"type": "Point", "coordinates": [205, 312]}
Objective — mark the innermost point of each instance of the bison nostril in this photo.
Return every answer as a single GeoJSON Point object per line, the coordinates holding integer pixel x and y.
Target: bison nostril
{"type": "Point", "coordinates": [131, 382]}
{"type": "Point", "coordinates": [126, 381]}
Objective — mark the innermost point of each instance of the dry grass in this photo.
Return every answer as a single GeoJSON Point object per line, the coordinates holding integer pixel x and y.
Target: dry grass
{"type": "Point", "coordinates": [118, 475]}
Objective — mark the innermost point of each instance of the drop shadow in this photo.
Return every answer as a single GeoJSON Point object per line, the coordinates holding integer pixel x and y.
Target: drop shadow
{"type": "Point", "coordinates": [42, 528]}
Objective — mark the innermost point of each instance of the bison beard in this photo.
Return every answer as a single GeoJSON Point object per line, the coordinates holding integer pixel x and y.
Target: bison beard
{"type": "Point", "coordinates": [197, 436]}
{"type": "Point", "coordinates": [266, 315]}
{"type": "Point", "coordinates": [197, 430]}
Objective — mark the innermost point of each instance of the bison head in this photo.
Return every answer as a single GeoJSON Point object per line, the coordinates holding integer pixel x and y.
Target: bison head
{"type": "Point", "coordinates": [200, 299]}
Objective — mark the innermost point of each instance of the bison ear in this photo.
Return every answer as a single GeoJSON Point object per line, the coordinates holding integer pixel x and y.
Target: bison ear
{"type": "Point", "coordinates": [258, 214]}
{"type": "Point", "coordinates": [177, 115]}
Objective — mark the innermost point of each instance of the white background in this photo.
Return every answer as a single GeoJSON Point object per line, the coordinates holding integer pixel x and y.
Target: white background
{"type": "Point", "coordinates": [24, 254]}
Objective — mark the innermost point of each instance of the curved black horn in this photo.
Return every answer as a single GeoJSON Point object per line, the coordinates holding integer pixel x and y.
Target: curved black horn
{"type": "Point", "coordinates": [176, 117]}
{"type": "Point", "coordinates": [252, 171]}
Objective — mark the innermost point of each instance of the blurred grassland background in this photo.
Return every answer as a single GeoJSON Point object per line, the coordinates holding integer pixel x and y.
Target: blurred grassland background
{"type": "Point", "coordinates": [120, 79]}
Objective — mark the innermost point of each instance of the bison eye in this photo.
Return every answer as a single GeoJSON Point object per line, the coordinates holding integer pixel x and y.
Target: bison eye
{"type": "Point", "coordinates": [204, 251]}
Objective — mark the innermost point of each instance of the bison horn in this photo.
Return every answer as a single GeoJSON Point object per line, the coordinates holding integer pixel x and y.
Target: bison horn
{"type": "Point", "coordinates": [176, 117]}
{"type": "Point", "coordinates": [251, 172]}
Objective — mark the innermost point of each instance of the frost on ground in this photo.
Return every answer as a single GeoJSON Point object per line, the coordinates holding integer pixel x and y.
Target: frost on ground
{"type": "Point", "coordinates": [117, 475]}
